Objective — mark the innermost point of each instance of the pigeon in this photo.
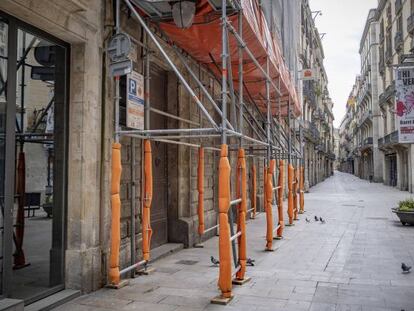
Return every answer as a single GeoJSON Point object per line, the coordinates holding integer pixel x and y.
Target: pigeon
{"type": "Point", "coordinates": [405, 268]}
{"type": "Point", "coordinates": [307, 220]}
{"type": "Point", "coordinates": [316, 218]}
{"type": "Point", "coordinates": [214, 261]}
{"type": "Point", "coordinates": [322, 220]}
{"type": "Point", "coordinates": [250, 262]}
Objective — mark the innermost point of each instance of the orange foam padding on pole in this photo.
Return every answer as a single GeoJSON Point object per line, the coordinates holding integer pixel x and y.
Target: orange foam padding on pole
{"type": "Point", "coordinates": [254, 192]}
{"type": "Point", "coordinates": [114, 276]}
{"type": "Point", "coordinates": [269, 213]}
{"type": "Point", "coordinates": [200, 185]}
{"type": "Point", "coordinates": [19, 257]}
{"type": "Point", "coordinates": [146, 211]}
{"type": "Point", "coordinates": [295, 194]}
{"type": "Point", "coordinates": [241, 186]}
{"type": "Point", "coordinates": [302, 189]}
{"type": "Point", "coordinates": [281, 181]}
{"type": "Point", "coordinates": [291, 172]}
{"type": "Point", "coordinates": [224, 282]}
{"type": "Point", "coordinates": [264, 186]}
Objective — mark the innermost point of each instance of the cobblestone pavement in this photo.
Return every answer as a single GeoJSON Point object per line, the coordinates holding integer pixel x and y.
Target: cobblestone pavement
{"type": "Point", "coordinates": [352, 262]}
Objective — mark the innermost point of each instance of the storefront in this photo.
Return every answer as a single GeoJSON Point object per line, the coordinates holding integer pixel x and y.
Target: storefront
{"type": "Point", "coordinates": [33, 109]}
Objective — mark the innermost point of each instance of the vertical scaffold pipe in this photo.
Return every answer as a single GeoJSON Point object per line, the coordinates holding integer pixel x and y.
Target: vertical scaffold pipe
{"type": "Point", "coordinates": [254, 192]}
{"type": "Point", "coordinates": [18, 256]}
{"type": "Point", "coordinates": [290, 193]}
{"type": "Point", "coordinates": [269, 198]}
{"type": "Point", "coordinates": [241, 186]}
{"type": "Point", "coordinates": [281, 182]}
{"type": "Point", "coordinates": [146, 211]}
{"type": "Point", "coordinates": [302, 190]}
{"type": "Point", "coordinates": [114, 276]}
{"type": "Point", "coordinates": [224, 282]}
{"type": "Point", "coordinates": [200, 185]}
{"type": "Point", "coordinates": [295, 193]}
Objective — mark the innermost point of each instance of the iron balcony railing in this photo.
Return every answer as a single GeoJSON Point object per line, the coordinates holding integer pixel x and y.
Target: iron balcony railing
{"type": "Point", "coordinates": [309, 92]}
{"type": "Point", "coordinates": [388, 140]}
{"type": "Point", "coordinates": [387, 94]}
{"type": "Point", "coordinates": [366, 116]}
{"type": "Point", "coordinates": [311, 131]}
{"type": "Point", "coordinates": [367, 141]}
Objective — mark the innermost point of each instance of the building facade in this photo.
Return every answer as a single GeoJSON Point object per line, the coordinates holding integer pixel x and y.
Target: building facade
{"type": "Point", "coordinates": [386, 42]}
{"type": "Point", "coordinates": [317, 117]}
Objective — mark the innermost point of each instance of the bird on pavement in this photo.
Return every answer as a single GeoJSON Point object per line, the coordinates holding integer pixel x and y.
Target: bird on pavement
{"type": "Point", "coordinates": [307, 220]}
{"type": "Point", "coordinates": [214, 261]}
{"type": "Point", "coordinates": [316, 218]}
{"type": "Point", "coordinates": [250, 262]}
{"type": "Point", "coordinates": [322, 220]}
{"type": "Point", "coordinates": [405, 268]}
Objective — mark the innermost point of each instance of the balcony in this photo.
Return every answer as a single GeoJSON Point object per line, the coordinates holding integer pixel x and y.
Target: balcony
{"type": "Point", "coordinates": [366, 116]}
{"type": "Point", "coordinates": [318, 114]}
{"type": "Point", "coordinates": [398, 41]}
{"type": "Point", "coordinates": [387, 95]}
{"type": "Point", "coordinates": [398, 6]}
{"type": "Point", "coordinates": [366, 143]}
{"type": "Point", "coordinates": [388, 140]}
{"type": "Point", "coordinates": [311, 132]}
{"type": "Point", "coordinates": [309, 93]}
{"type": "Point", "coordinates": [410, 24]}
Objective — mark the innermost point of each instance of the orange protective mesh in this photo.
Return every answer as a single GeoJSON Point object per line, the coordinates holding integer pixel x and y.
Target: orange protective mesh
{"type": "Point", "coordinates": [203, 42]}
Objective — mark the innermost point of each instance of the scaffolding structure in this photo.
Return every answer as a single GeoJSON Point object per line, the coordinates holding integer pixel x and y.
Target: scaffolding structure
{"type": "Point", "coordinates": [271, 142]}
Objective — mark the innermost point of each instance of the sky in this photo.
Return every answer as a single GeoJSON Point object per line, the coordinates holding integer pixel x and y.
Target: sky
{"type": "Point", "coordinates": [343, 22]}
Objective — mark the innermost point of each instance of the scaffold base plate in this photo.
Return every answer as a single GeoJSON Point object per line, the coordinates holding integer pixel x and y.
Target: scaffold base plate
{"type": "Point", "coordinates": [277, 238]}
{"type": "Point", "coordinates": [289, 225]}
{"type": "Point", "coordinates": [269, 250]}
{"type": "Point", "coordinates": [219, 300]}
{"type": "Point", "coordinates": [241, 282]}
{"type": "Point", "coordinates": [121, 284]}
{"type": "Point", "coordinates": [147, 271]}
{"type": "Point", "coordinates": [199, 245]}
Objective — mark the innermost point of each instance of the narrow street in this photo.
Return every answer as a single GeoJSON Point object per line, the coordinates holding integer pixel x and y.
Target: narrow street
{"type": "Point", "coordinates": [352, 262]}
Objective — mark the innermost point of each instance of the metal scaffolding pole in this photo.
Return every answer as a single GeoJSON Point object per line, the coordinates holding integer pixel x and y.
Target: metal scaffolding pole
{"type": "Point", "coordinates": [240, 51]}
{"type": "Point", "coordinates": [269, 148]}
{"type": "Point", "coordinates": [171, 63]}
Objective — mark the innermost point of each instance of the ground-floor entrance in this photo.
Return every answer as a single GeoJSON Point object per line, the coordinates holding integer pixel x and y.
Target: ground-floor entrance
{"type": "Point", "coordinates": [33, 149]}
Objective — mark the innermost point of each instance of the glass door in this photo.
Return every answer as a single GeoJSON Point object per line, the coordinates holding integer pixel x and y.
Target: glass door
{"type": "Point", "coordinates": [34, 171]}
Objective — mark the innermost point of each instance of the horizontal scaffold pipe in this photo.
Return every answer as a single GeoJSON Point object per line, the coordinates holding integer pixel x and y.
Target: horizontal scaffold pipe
{"type": "Point", "coordinates": [172, 116]}
{"type": "Point", "coordinates": [171, 63]}
{"type": "Point", "coordinates": [170, 131]}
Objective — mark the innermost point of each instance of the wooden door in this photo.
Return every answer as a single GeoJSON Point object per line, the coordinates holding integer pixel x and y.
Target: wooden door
{"type": "Point", "coordinates": [158, 96]}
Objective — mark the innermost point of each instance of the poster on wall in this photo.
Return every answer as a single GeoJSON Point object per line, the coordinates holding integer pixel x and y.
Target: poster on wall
{"type": "Point", "coordinates": [135, 101]}
{"type": "Point", "coordinates": [404, 104]}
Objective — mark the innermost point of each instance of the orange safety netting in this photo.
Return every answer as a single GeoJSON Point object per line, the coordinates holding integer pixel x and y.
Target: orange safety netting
{"type": "Point", "coordinates": [204, 43]}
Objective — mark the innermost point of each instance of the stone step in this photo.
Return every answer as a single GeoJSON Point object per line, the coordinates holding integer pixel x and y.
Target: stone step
{"type": "Point", "coordinates": [53, 301]}
{"type": "Point", "coordinates": [165, 250]}
{"type": "Point", "coordinates": [8, 304]}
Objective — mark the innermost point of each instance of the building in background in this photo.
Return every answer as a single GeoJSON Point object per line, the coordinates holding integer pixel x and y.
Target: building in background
{"type": "Point", "coordinates": [371, 123]}
{"type": "Point", "coordinates": [317, 116]}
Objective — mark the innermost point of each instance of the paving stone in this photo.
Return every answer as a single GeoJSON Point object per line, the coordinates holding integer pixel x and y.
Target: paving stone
{"type": "Point", "coordinates": [350, 263]}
